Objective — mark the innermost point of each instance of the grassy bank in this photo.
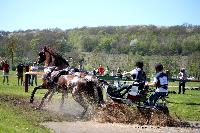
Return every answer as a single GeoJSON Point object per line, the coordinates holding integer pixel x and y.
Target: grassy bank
{"type": "Point", "coordinates": [186, 106]}
{"type": "Point", "coordinates": [17, 115]}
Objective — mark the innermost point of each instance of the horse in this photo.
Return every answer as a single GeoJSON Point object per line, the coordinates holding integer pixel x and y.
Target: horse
{"type": "Point", "coordinates": [81, 88]}
{"type": "Point", "coordinates": [83, 91]}
{"type": "Point", "coordinates": [50, 58]}
{"type": "Point", "coordinates": [53, 59]}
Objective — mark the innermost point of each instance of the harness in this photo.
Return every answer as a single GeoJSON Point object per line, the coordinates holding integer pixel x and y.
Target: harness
{"type": "Point", "coordinates": [57, 59]}
{"type": "Point", "coordinates": [162, 79]}
{"type": "Point", "coordinates": [140, 77]}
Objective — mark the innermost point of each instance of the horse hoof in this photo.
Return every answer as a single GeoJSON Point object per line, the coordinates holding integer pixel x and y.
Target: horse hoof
{"type": "Point", "coordinates": [31, 100]}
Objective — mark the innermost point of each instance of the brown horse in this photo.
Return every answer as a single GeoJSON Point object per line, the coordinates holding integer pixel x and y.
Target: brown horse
{"type": "Point", "coordinates": [83, 91]}
{"type": "Point", "coordinates": [50, 58]}
{"type": "Point", "coordinates": [87, 82]}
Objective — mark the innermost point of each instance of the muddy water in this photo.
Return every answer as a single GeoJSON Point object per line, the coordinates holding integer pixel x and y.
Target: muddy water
{"type": "Point", "coordinates": [117, 118]}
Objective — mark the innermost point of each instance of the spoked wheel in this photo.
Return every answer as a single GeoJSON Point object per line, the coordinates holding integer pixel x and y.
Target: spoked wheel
{"type": "Point", "coordinates": [162, 108]}
{"type": "Point", "coordinates": [114, 94]}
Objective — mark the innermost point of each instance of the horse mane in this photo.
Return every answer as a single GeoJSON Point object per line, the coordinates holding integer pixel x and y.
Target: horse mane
{"type": "Point", "coordinates": [56, 55]}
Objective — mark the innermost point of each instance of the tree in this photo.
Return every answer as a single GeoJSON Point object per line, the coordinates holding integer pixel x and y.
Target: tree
{"type": "Point", "coordinates": [11, 47]}
{"type": "Point", "coordinates": [88, 44]}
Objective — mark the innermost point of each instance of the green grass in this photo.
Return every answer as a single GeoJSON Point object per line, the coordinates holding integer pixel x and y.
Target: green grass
{"type": "Point", "coordinates": [186, 106]}
{"type": "Point", "coordinates": [16, 120]}
{"type": "Point", "coordinates": [21, 118]}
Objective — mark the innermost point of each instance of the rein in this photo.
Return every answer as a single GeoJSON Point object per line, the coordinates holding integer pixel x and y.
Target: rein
{"type": "Point", "coordinates": [56, 59]}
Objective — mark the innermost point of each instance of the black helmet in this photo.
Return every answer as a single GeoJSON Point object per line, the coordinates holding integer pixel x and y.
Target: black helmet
{"type": "Point", "coordinates": [182, 69]}
{"type": "Point", "coordinates": [159, 67]}
{"type": "Point", "coordinates": [139, 64]}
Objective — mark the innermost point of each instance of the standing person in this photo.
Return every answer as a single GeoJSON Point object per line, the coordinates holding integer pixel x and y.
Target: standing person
{"type": "Point", "coordinates": [119, 72]}
{"type": "Point", "coordinates": [33, 77]}
{"type": "Point", "coordinates": [160, 82]}
{"type": "Point", "coordinates": [100, 70]}
{"type": "Point", "coordinates": [5, 68]}
{"type": "Point", "coordinates": [19, 73]}
{"type": "Point", "coordinates": [94, 71]}
{"type": "Point", "coordinates": [107, 71]}
{"type": "Point", "coordinates": [112, 73]}
{"type": "Point", "coordinates": [183, 77]}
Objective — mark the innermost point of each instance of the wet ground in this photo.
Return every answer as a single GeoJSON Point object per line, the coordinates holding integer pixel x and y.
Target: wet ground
{"type": "Point", "coordinates": [117, 118]}
{"type": "Point", "coordinates": [113, 117]}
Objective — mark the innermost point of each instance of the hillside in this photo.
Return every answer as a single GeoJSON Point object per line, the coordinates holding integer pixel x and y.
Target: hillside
{"type": "Point", "coordinates": [127, 43]}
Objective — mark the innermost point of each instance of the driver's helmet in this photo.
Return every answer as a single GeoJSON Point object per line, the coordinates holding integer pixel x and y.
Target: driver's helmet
{"type": "Point", "coordinates": [139, 64]}
{"type": "Point", "coordinates": [159, 67]}
{"type": "Point", "coordinates": [182, 69]}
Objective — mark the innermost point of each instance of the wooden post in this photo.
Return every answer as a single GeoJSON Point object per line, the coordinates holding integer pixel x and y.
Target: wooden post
{"type": "Point", "coordinates": [26, 82]}
{"type": "Point", "coordinates": [26, 78]}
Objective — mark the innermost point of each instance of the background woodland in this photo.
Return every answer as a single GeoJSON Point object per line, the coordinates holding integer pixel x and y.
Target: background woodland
{"type": "Point", "coordinates": [113, 46]}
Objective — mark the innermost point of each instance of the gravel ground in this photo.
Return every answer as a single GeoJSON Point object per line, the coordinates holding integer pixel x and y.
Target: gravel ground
{"type": "Point", "coordinates": [94, 127]}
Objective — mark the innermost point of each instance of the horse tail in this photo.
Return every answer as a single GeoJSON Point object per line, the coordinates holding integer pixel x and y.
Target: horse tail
{"type": "Point", "coordinates": [95, 92]}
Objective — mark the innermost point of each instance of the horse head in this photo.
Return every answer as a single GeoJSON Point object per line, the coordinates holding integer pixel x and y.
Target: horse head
{"type": "Point", "coordinates": [51, 58]}
{"type": "Point", "coordinates": [41, 57]}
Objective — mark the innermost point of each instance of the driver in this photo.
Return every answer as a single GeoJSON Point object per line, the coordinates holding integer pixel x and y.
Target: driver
{"type": "Point", "coordinates": [137, 73]}
{"type": "Point", "coordinates": [161, 84]}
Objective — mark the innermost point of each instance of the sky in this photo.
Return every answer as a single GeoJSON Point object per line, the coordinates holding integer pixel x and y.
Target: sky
{"type": "Point", "coordinates": [67, 14]}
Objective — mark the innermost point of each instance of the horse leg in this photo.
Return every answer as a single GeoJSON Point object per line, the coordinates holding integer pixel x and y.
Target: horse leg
{"type": "Point", "coordinates": [64, 93]}
{"type": "Point", "coordinates": [79, 99]}
{"type": "Point", "coordinates": [34, 91]}
{"type": "Point", "coordinates": [53, 92]}
{"type": "Point", "coordinates": [44, 97]}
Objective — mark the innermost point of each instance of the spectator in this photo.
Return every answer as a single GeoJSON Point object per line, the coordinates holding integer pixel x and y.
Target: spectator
{"type": "Point", "coordinates": [33, 77]}
{"type": "Point", "coordinates": [5, 68]}
{"type": "Point", "coordinates": [100, 70]}
{"type": "Point", "coordinates": [107, 71]}
{"type": "Point", "coordinates": [94, 71]}
{"type": "Point", "coordinates": [119, 72]}
{"type": "Point", "coordinates": [183, 77]}
{"type": "Point", "coordinates": [19, 73]}
{"type": "Point", "coordinates": [112, 73]}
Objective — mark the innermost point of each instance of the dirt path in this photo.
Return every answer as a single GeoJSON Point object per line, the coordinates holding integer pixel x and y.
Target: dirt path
{"type": "Point", "coordinates": [94, 127]}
